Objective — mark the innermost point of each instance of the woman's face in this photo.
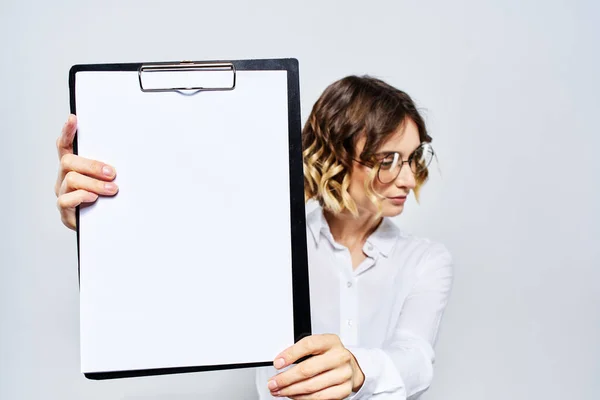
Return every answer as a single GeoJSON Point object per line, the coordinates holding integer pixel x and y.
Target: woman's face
{"type": "Point", "coordinates": [404, 141]}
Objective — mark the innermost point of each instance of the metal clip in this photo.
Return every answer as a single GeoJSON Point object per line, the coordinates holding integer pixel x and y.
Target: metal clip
{"type": "Point", "coordinates": [187, 66]}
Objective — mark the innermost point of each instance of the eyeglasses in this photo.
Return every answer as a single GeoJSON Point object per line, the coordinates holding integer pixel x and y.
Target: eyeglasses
{"type": "Point", "coordinates": [389, 164]}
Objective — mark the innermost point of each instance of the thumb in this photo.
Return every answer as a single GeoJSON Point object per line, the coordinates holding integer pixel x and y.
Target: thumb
{"type": "Point", "coordinates": [64, 143]}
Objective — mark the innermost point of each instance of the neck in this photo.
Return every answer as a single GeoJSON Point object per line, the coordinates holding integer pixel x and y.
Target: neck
{"type": "Point", "coordinates": [350, 231]}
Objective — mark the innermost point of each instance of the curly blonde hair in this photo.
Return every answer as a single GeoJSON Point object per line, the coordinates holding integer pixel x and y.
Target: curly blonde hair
{"type": "Point", "coordinates": [348, 109]}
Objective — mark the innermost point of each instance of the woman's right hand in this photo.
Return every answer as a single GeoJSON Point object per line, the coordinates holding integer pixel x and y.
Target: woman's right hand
{"type": "Point", "coordinates": [80, 180]}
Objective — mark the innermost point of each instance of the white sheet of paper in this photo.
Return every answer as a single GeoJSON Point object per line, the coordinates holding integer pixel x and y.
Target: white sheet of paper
{"type": "Point", "coordinates": [190, 263]}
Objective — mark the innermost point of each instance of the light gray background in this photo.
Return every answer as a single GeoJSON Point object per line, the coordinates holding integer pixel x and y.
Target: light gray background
{"type": "Point", "coordinates": [511, 96]}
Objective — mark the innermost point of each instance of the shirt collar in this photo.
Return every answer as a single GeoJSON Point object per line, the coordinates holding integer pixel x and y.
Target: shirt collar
{"type": "Point", "coordinates": [383, 239]}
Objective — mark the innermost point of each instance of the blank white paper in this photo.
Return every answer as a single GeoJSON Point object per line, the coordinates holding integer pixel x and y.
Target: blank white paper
{"type": "Point", "coordinates": [190, 263]}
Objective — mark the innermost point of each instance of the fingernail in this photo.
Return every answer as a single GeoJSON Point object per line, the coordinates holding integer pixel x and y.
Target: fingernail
{"type": "Point", "coordinates": [110, 187]}
{"type": "Point", "coordinates": [272, 385]}
{"type": "Point", "coordinates": [106, 170]}
{"type": "Point", "coordinates": [92, 197]}
{"type": "Point", "coordinates": [279, 363]}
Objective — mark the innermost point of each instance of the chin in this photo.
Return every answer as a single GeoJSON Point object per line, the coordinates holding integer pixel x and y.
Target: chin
{"type": "Point", "coordinates": [392, 211]}
{"type": "Point", "coordinates": [388, 209]}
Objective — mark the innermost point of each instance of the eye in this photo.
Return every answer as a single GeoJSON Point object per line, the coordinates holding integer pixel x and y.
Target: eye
{"type": "Point", "coordinates": [390, 161]}
{"type": "Point", "coordinates": [420, 158]}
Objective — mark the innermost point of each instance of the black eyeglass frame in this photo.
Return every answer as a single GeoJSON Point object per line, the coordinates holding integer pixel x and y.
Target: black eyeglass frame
{"type": "Point", "coordinates": [382, 156]}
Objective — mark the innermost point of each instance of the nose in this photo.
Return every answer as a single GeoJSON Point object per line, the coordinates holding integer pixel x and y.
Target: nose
{"type": "Point", "coordinates": [406, 178]}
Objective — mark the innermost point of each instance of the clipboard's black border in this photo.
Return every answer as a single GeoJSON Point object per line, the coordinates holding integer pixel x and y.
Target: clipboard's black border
{"type": "Point", "coordinates": [300, 278]}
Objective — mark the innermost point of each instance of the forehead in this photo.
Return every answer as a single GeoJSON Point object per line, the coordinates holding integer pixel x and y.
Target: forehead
{"type": "Point", "coordinates": [404, 140]}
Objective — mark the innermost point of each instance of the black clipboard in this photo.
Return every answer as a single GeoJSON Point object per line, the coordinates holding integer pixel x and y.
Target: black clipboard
{"type": "Point", "coordinates": [300, 278]}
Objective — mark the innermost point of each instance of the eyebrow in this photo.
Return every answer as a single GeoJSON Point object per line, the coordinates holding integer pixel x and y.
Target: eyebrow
{"type": "Point", "coordinates": [383, 153]}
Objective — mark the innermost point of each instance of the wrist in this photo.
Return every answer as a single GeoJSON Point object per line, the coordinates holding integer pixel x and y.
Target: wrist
{"type": "Point", "coordinates": [358, 377]}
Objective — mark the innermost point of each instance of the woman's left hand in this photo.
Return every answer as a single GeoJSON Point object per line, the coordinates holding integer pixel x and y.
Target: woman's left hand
{"type": "Point", "coordinates": [332, 372]}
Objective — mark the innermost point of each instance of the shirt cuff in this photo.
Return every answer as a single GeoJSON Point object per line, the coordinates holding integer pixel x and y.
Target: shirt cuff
{"type": "Point", "coordinates": [375, 366]}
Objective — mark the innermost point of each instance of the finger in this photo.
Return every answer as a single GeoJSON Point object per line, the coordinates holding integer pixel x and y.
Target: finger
{"type": "Point", "coordinates": [64, 144]}
{"type": "Point", "coordinates": [71, 162]}
{"type": "Point", "coordinates": [335, 392]}
{"type": "Point", "coordinates": [314, 344]}
{"type": "Point", "coordinates": [67, 202]}
{"type": "Point", "coordinates": [75, 181]}
{"type": "Point", "coordinates": [311, 383]}
{"type": "Point", "coordinates": [339, 390]}
{"type": "Point", "coordinates": [310, 368]}
{"type": "Point", "coordinates": [84, 166]}
{"type": "Point", "coordinates": [71, 200]}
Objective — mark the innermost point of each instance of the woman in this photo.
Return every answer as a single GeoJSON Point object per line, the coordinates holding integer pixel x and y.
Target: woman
{"type": "Point", "coordinates": [377, 293]}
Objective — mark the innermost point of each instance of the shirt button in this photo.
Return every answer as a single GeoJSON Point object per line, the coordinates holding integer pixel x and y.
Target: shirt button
{"type": "Point", "coordinates": [349, 284]}
{"type": "Point", "coordinates": [349, 322]}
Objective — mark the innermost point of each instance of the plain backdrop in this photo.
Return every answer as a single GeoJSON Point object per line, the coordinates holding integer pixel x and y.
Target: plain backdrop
{"type": "Point", "coordinates": [511, 96]}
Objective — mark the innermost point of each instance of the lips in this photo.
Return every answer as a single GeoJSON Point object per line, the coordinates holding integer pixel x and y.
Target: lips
{"type": "Point", "coordinates": [398, 200]}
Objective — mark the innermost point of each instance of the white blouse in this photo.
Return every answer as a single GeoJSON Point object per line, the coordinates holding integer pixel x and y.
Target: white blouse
{"type": "Point", "coordinates": [386, 312]}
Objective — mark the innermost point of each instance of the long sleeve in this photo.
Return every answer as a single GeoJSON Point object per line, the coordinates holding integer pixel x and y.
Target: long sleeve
{"type": "Point", "coordinates": [261, 377]}
{"type": "Point", "coordinates": [403, 368]}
